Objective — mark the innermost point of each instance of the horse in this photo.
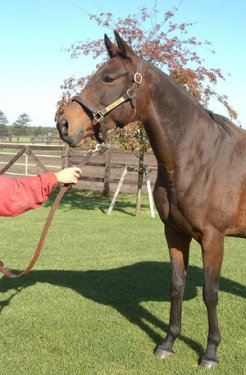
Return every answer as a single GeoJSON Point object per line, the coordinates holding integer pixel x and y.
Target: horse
{"type": "Point", "coordinates": [200, 190]}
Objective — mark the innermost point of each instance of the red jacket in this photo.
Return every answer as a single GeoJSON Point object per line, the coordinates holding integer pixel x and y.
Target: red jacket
{"type": "Point", "coordinates": [18, 195]}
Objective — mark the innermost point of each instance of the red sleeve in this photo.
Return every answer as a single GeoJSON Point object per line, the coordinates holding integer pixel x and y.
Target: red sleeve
{"type": "Point", "coordinates": [18, 195]}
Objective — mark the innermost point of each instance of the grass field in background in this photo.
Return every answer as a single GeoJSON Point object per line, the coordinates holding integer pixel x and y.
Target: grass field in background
{"type": "Point", "coordinates": [97, 302]}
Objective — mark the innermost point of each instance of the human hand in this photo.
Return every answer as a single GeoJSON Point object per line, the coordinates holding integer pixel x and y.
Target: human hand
{"type": "Point", "coordinates": [68, 175]}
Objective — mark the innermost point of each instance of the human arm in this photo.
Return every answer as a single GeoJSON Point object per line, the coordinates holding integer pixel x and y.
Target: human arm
{"type": "Point", "coordinates": [18, 195]}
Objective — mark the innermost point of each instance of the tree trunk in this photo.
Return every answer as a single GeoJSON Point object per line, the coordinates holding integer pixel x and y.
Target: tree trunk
{"type": "Point", "coordinates": [106, 188]}
{"type": "Point", "coordinates": [140, 182]}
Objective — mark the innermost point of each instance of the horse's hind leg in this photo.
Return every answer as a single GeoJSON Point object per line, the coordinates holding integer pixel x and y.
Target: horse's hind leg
{"type": "Point", "coordinates": [179, 255]}
{"type": "Point", "coordinates": [213, 250]}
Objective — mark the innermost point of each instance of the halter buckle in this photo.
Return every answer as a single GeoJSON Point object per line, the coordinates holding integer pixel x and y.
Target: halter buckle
{"type": "Point", "coordinates": [98, 116]}
{"type": "Point", "coordinates": [138, 78]}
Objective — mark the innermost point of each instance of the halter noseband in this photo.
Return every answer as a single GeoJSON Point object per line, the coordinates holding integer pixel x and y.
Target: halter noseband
{"type": "Point", "coordinates": [98, 115]}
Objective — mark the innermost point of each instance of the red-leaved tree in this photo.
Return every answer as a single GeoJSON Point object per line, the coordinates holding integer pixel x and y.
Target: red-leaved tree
{"type": "Point", "coordinates": [157, 38]}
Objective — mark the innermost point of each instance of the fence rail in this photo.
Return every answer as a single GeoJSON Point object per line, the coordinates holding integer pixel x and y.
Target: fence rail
{"type": "Point", "coordinates": [102, 174]}
{"type": "Point", "coordinates": [31, 139]}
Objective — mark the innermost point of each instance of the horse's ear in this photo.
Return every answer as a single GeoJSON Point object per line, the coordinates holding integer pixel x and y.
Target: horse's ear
{"type": "Point", "coordinates": [124, 49]}
{"type": "Point", "coordinates": [111, 47]}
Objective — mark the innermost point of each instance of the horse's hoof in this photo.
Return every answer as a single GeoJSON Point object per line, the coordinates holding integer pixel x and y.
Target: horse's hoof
{"type": "Point", "coordinates": [163, 354]}
{"type": "Point", "coordinates": [206, 363]}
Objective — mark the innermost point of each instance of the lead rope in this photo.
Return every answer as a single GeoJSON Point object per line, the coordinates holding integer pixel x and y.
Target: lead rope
{"type": "Point", "coordinates": [53, 208]}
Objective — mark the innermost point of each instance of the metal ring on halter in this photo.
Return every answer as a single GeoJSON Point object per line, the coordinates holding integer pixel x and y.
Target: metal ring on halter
{"type": "Point", "coordinates": [130, 93]}
{"type": "Point", "coordinates": [138, 78]}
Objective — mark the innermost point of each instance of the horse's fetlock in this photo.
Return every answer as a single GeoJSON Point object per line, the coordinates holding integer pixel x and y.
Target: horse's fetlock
{"type": "Point", "coordinates": [174, 330]}
{"type": "Point", "coordinates": [214, 339]}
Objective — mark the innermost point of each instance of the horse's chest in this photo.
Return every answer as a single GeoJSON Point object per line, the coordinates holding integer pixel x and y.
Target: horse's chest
{"type": "Point", "coordinates": [169, 210]}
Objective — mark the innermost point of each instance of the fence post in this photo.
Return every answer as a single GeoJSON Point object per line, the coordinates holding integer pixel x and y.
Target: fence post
{"type": "Point", "coordinates": [151, 202]}
{"type": "Point", "coordinates": [140, 182]}
{"type": "Point", "coordinates": [106, 188]}
{"type": "Point", "coordinates": [26, 163]}
{"type": "Point", "coordinates": [65, 157]}
{"type": "Point", "coordinates": [39, 163]}
{"type": "Point", "coordinates": [13, 160]}
{"type": "Point", "coordinates": [117, 191]}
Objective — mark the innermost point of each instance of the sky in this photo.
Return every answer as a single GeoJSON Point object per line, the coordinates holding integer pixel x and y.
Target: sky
{"type": "Point", "coordinates": [34, 35]}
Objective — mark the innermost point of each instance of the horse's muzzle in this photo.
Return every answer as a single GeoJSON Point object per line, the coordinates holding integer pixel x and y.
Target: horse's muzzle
{"type": "Point", "coordinates": [62, 127]}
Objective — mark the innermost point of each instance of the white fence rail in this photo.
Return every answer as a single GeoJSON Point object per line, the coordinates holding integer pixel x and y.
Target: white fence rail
{"type": "Point", "coordinates": [32, 158]}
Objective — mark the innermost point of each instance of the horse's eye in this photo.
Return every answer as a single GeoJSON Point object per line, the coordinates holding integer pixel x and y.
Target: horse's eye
{"type": "Point", "coordinates": [108, 79]}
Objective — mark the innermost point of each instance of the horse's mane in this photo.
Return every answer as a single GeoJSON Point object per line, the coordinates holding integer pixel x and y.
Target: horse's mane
{"type": "Point", "coordinates": [222, 121]}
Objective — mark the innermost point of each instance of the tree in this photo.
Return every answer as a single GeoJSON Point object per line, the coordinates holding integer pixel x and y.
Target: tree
{"type": "Point", "coordinates": [3, 121]}
{"type": "Point", "coordinates": [164, 43]}
{"type": "Point", "coordinates": [23, 120]}
{"type": "Point", "coordinates": [134, 138]}
{"type": "Point", "coordinates": [20, 125]}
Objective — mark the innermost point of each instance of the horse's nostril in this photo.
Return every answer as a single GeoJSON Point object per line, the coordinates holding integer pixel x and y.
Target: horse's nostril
{"type": "Point", "coordinates": [63, 127]}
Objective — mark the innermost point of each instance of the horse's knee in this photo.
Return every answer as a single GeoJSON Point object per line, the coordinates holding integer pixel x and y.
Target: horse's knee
{"type": "Point", "coordinates": [210, 296]}
{"type": "Point", "coordinates": [178, 282]}
{"type": "Point", "coordinates": [177, 289]}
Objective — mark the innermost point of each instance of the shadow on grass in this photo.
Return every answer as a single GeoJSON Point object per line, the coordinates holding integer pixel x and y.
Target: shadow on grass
{"type": "Point", "coordinates": [88, 200]}
{"type": "Point", "coordinates": [124, 289]}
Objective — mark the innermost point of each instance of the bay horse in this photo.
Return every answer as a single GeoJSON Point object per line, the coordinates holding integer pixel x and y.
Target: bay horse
{"type": "Point", "coordinates": [200, 190]}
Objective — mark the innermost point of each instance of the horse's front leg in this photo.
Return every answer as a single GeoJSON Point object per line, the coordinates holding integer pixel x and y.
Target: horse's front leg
{"type": "Point", "coordinates": [178, 244]}
{"type": "Point", "coordinates": [213, 250]}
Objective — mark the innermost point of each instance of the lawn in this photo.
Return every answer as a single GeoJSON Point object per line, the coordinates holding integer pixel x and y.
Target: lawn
{"type": "Point", "coordinates": [97, 302]}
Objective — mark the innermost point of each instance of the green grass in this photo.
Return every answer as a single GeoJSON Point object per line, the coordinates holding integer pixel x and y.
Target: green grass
{"type": "Point", "coordinates": [97, 302]}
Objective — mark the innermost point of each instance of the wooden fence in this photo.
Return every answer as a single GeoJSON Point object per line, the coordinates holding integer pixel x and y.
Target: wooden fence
{"type": "Point", "coordinates": [30, 139]}
{"type": "Point", "coordinates": [101, 174]}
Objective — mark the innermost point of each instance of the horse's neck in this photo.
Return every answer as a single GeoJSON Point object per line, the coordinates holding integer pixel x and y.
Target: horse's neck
{"type": "Point", "coordinates": [171, 120]}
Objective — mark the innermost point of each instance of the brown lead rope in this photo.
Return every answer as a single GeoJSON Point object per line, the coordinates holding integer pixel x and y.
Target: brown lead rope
{"type": "Point", "coordinates": [62, 191]}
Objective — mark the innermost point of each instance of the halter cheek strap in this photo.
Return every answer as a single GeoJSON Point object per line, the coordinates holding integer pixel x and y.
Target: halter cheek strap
{"type": "Point", "coordinates": [98, 115]}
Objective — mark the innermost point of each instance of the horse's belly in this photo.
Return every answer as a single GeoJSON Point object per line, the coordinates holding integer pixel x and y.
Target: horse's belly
{"type": "Point", "coordinates": [242, 219]}
{"type": "Point", "coordinates": [241, 225]}
{"type": "Point", "coordinates": [239, 230]}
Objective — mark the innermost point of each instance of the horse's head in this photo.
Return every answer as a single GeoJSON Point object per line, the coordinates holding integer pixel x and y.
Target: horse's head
{"type": "Point", "coordinates": [108, 99]}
